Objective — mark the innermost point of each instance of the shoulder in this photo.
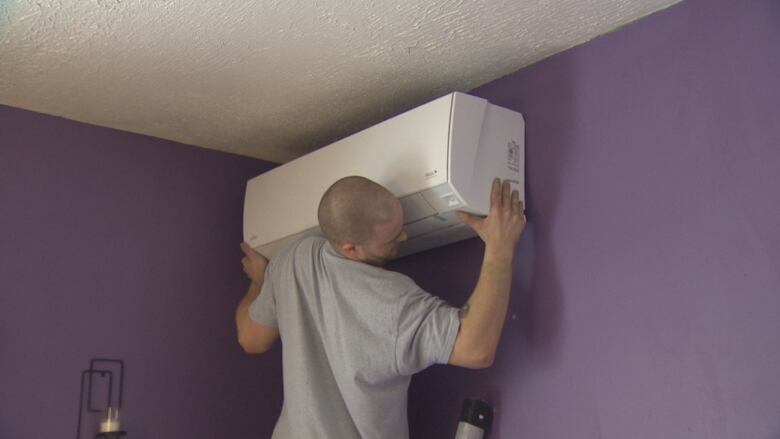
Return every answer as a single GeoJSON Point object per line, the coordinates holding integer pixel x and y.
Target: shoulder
{"type": "Point", "coordinates": [297, 250]}
{"type": "Point", "coordinates": [396, 279]}
{"type": "Point", "coordinates": [305, 244]}
{"type": "Point", "coordinates": [392, 285]}
{"type": "Point", "coordinates": [310, 243]}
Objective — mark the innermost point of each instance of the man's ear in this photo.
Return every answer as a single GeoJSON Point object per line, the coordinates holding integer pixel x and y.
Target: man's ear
{"type": "Point", "coordinates": [351, 251]}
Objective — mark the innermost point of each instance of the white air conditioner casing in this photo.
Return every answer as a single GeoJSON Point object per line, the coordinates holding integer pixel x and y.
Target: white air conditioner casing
{"type": "Point", "coordinates": [437, 159]}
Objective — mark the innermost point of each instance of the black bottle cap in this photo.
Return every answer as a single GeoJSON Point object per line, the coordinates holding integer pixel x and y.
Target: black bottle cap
{"type": "Point", "coordinates": [477, 413]}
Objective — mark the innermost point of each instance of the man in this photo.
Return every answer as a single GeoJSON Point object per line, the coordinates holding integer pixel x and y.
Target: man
{"type": "Point", "coordinates": [352, 332]}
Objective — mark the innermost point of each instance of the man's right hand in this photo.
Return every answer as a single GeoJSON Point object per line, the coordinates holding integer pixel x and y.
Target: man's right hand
{"type": "Point", "coordinates": [505, 222]}
{"type": "Point", "coordinates": [253, 337]}
{"type": "Point", "coordinates": [482, 316]}
{"type": "Point", "coordinates": [254, 263]}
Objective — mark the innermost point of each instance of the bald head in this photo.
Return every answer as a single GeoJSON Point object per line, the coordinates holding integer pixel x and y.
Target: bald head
{"type": "Point", "coordinates": [352, 207]}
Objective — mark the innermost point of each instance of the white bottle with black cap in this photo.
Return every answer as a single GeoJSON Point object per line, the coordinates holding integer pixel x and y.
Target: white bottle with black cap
{"type": "Point", "coordinates": [475, 419]}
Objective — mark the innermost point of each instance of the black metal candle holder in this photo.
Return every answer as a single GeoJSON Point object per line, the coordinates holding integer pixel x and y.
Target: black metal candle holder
{"type": "Point", "coordinates": [92, 371]}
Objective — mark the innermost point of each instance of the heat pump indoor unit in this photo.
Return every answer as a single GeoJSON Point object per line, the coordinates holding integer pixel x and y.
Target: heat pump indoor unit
{"type": "Point", "coordinates": [437, 159]}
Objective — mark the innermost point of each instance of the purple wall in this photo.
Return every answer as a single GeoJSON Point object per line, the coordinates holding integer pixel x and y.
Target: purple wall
{"type": "Point", "coordinates": [647, 293]}
{"type": "Point", "coordinates": [646, 302]}
{"type": "Point", "coordinates": [119, 245]}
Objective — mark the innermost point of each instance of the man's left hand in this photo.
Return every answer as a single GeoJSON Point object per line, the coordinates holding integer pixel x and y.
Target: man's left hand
{"type": "Point", "coordinates": [254, 263]}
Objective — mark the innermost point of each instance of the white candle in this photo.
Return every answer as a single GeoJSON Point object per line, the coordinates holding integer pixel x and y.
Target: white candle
{"type": "Point", "coordinates": [109, 426]}
{"type": "Point", "coordinates": [111, 423]}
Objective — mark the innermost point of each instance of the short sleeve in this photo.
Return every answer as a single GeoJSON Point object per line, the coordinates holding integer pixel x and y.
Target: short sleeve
{"type": "Point", "coordinates": [427, 328]}
{"type": "Point", "coordinates": [263, 309]}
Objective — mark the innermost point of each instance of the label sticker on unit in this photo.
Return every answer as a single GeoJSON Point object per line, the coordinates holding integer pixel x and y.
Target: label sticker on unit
{"type": "Point", "coordinates": [513, 156]}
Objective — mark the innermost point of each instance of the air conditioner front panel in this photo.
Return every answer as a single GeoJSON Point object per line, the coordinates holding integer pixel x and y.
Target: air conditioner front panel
{"type": "Point", "coordinates": [436, 238]}
{"type": "Point", "coordinates": [488, 141]}
{"type": "Point", "coordinates": [437, 158]}
{"type": "Point", "coordinates": [406, 154]}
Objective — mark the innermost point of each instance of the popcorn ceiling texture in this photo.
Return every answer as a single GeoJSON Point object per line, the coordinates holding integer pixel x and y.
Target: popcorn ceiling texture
{"type": "Point", "coordinates": [274, 79]}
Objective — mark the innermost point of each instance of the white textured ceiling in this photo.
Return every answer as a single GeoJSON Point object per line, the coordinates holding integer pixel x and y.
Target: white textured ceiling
{"type": "Point", "coordinates": [274, 79]}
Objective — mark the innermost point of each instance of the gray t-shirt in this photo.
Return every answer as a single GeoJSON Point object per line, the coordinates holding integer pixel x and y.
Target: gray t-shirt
{"type": "Point", "coordinates": [352, 336]}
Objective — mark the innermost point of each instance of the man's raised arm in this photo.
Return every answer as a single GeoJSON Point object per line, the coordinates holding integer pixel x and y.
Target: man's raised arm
{"type": "Point", "coordinates": [482, 317]}
{"type": "Point", "coordinates": [253, 337]}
